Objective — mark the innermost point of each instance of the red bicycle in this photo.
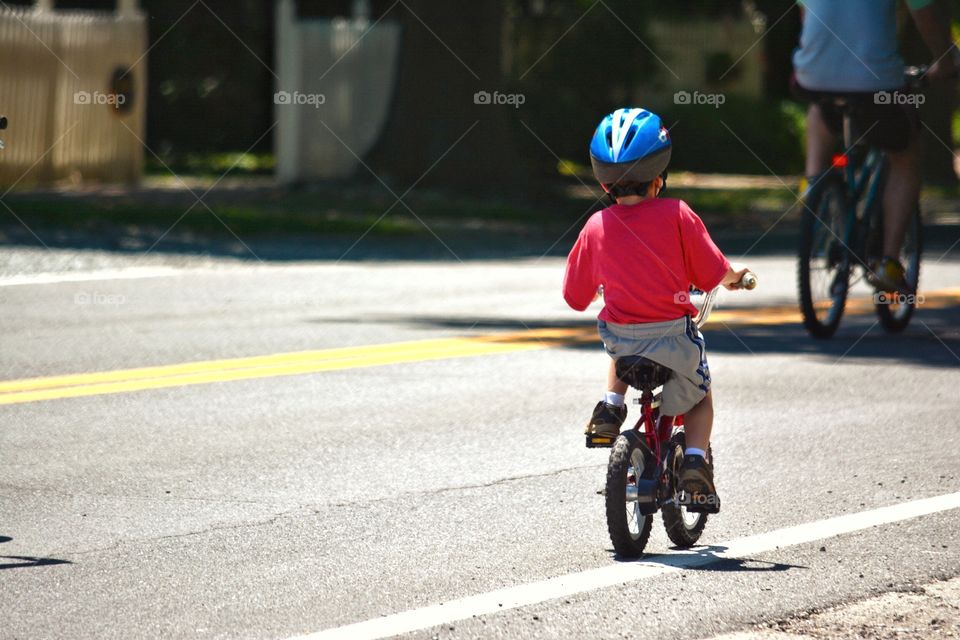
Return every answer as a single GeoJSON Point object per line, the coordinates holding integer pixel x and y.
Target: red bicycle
{"type": "Point", "coordinates": [644, 467]}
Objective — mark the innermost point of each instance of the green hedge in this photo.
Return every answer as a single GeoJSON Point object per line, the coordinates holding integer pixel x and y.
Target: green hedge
{"type": "Point", "coordinates": [740, 136]}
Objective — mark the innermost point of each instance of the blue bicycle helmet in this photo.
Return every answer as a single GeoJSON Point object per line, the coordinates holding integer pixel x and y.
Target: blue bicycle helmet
{"type": "Point", "coordinates": [630, 145]}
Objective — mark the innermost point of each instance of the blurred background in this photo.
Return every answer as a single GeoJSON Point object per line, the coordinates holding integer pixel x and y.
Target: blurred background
{"type": "Point", "coordinates": [312, 117]}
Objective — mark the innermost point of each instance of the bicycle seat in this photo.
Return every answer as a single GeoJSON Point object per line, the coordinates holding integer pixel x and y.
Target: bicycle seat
{"type": "Point", "coordinates": [640, 373]}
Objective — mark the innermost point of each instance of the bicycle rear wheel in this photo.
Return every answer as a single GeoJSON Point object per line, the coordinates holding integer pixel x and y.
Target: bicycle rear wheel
{"type": "Point", "coordinates": [683, 527]}
{"type": "Point", "coordinates": [630, 461]}
{"type": "Point", "coordinates": [895, 310]}
{"type": "Point", "coordinates": [823, 267]}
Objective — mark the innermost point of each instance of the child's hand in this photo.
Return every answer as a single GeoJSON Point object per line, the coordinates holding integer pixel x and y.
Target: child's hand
{"type": "Point", "coordinates": [731, 281]}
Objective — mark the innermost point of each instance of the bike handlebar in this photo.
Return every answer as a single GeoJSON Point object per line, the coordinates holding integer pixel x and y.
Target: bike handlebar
{"type": "Point", "coordinates": [916, 77]}
{"type": "Point", "coordinates": [748, 282]}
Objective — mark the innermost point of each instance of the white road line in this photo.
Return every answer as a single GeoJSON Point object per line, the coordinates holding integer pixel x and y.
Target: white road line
{"type": "Point", "coordinates": [130, 273]}
{"type": "Point", "coordinates": [621, 573]}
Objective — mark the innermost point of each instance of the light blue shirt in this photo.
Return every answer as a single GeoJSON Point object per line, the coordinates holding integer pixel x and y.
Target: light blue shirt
{"type": "Point", "coordinates": [850, 45]}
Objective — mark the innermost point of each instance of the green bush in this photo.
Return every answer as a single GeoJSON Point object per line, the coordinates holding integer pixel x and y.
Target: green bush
{"type": "Point", "coordinates": [740, 136]}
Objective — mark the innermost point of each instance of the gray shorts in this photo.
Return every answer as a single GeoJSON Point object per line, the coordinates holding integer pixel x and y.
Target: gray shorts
{"type": "Point", "coordinates": [675, 344]}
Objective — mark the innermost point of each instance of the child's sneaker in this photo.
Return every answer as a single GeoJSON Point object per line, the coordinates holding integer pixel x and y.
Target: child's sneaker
{"type": "Point", "coordinates": [696, 483]}
{"type": "Point", "coordinates": [607, 420]}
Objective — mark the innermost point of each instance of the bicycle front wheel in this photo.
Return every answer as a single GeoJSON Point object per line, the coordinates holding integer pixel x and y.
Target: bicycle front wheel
{"type": "Point", "coordinates": [895, 309]}
{"type": "Point", "coordinates": [630, 462]}
{"type": "Point", "coordinates": [823, 267]}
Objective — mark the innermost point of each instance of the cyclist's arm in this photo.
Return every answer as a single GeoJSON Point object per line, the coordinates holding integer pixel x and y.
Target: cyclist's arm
{"type": "Point", "coordinates": [705, 263]}
{"type": "Point", "coordinates": [733, 277]}
{"type": "Point", "coordinates": [935, 31]}
{"type": "Point", "coordinates": [580, 281]}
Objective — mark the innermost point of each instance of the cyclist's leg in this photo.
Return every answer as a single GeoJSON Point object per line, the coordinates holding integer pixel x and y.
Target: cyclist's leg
{"type": "Point", "coordinates": [615, 384]}
{"type": "Point", "coordinates": [900, 195]}
{"type": "Point", "coordinates": [607, 417]}
{"type": "Point", "coordinates": [821, 142]}
{"type": "Point", "coordinates": [696, 473]}
{"type": "Point", "coordinates": [698, 423]}
{"type": "Point", "coordinates": [897, 131]}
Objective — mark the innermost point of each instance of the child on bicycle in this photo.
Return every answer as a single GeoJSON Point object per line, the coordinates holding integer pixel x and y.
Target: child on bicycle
{"type": "Point", "coordinates": [645, 252]}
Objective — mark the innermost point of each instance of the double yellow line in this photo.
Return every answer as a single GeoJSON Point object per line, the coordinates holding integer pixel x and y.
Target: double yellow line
{"type": "Point", "coordinates": [304, 362]}
{"type": "Point", "coordinates": [282, 364]}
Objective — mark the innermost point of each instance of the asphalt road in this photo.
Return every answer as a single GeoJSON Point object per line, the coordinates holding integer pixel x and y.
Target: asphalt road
{"type": "Point", "coordinates": [292, 502]}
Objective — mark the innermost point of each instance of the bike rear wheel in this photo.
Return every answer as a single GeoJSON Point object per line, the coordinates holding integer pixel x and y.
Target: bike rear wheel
{"type": "Point", "coordinates": [895, 310]}
{"type": "Point", "coordinates": [823, 267]}
{"type": "Point", "coordinates": [683, 527]}
{"type": "Point", "coordinates": [630, 461]}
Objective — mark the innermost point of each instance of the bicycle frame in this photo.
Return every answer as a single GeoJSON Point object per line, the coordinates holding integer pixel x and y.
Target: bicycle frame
{"type": "Point", "coordinates": [656, 429]}
{"type": "Point", "coordinates": [859, 175]}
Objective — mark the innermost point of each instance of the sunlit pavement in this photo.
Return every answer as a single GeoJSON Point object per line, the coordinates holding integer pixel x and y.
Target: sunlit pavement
{"type": "Point", "coordinates": [440, 455]}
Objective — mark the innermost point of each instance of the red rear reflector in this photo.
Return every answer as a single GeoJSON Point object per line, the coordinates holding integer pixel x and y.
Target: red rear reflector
{"type": "Point", "coordinates": [840, 160]}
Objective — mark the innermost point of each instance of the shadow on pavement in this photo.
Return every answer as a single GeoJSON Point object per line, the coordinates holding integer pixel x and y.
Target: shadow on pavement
{"type": "Point", "coordinates": [932, 339]}
{"type": "Point", "coordinates": [26, 561]}
{"type": "Point", "coordinates": [706, 559]}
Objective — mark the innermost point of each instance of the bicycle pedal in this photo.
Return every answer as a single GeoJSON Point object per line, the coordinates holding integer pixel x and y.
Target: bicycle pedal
{"type": "Point", "coordinates": [598, 441]}
{"type": "Point", "coordinates": [699, 503]}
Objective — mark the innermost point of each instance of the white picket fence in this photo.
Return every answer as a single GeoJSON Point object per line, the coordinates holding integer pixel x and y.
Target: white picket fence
{"type": "Point", "coordinates": [57, 88]}
{"type": "Point", "coordinates": [334, 88]}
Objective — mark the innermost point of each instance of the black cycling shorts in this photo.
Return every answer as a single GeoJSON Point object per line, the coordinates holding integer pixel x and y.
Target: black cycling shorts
{"type": "Point", "coordinates": [889, 126]}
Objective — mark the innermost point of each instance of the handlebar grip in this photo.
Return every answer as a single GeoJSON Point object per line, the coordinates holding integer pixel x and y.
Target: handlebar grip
{"type": "Point", "coordinates": [749, 280]}
{"type": "Point", "coordinates": [916, 77]}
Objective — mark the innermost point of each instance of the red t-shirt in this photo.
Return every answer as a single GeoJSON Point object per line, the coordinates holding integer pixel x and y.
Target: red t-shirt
{"type": "Point", "coordinates": [646, 256]}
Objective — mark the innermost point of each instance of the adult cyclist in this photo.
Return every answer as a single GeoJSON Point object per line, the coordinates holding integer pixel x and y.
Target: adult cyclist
{"type": "Point", "coordinates": [850, 47]}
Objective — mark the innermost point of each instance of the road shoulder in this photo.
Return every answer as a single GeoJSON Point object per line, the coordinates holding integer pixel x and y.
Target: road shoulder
{"type": "Point", "coordinates": [912, 611]}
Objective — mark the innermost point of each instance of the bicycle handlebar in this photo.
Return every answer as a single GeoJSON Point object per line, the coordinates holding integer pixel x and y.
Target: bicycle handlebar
{"type": "Point", "coordinates": [748, 282]}
{"type": "Point", "coordinates": [916, 77]}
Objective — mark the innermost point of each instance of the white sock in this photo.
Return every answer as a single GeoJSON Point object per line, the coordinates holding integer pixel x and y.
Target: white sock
{"type": "Point", "coordinates": [693, 451]}
{"type": "Point", "coordinates": [616, 399]}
